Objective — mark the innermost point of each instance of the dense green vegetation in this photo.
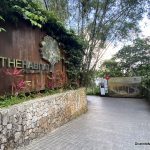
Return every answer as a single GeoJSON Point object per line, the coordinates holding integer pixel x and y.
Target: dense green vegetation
{"type": "Point", "coordinates": [111, 68]}
{"type": "Point", "coordinates": [131, 60]}
{"type": "Point", "coordinates": [93, 91]}
{"type": "Point", "coordinates": [134, 59]}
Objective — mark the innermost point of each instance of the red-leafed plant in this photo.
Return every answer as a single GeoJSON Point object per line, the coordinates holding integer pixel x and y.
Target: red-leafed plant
{"type": "Point", "coordinates": [22, 85]}
{"type": "Point", "coordinates": [17, 83]}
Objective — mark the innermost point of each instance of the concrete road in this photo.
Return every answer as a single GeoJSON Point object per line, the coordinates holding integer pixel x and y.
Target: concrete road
{"type": "Point", "coordinates": [110, 124]}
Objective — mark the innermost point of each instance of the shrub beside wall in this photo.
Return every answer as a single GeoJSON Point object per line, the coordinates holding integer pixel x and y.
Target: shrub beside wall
{"type": "Point", "coordinates": [146, 93]}
{"type": "Point", "coordinates": [22, 123]}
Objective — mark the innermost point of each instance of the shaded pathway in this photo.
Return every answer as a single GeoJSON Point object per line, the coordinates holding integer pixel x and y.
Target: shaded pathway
{"type": "Point", "coordinates": [110, 124]}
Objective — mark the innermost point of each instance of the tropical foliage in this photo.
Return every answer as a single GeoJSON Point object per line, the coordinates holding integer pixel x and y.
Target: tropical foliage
{"type": "Point", "coordinates": [110, 68]}
{"type": "Point", "coordinates": [131, 60]}
{"type": "Point", "coordinates": [135, 59]}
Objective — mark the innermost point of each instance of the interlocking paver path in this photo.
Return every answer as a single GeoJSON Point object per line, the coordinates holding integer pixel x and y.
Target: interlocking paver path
{"type": "Point", "coordinates": [109, 124]}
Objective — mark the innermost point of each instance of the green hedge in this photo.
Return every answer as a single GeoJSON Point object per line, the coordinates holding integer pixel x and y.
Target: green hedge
{"type": "Point", "coordinates": [93, 91]}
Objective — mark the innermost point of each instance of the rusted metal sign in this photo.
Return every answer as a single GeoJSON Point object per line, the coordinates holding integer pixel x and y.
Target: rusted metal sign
{"type": "Point", "coordinates": [22, 64]}
{"type": "Point", "coordinates": [33, 52]}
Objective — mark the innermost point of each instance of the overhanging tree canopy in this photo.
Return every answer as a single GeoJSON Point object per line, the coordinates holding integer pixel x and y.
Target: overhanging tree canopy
{"type": "Point", "coordinates": [102, 22]}
{"type": "Point", "coordinates": [135, 58]}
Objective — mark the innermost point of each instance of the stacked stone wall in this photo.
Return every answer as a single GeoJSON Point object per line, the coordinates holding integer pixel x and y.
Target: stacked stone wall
{"type": "Point", "coordinates": [20, 124]}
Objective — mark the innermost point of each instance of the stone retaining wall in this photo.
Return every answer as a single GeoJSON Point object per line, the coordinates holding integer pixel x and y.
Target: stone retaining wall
{"type": "Point", "coordinates": [22, 123]}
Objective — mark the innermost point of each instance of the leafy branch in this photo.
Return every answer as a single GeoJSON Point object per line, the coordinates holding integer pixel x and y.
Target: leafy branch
{"type": "Point", "coordinates": [2, 29]}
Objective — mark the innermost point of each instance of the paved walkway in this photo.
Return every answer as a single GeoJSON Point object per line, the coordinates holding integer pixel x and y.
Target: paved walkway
{"type": "Point", "coordinates": [110, 124]}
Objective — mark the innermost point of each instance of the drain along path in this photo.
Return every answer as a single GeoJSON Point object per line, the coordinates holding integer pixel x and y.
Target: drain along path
{"type": "Point", "coordinates": [109, 124]}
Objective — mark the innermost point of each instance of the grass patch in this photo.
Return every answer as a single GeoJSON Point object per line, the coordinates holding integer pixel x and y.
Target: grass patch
{"type": "Point", "coordinates": [93, 91]}
{"type": "Point", "coordinates": [6, 101]}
